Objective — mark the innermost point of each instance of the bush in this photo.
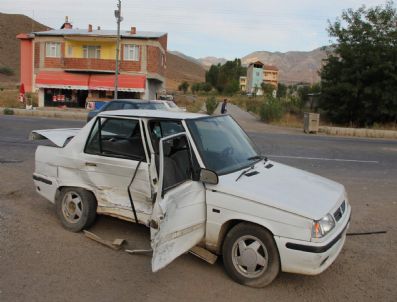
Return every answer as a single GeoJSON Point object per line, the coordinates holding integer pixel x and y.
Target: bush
{"type": "Point", "coordinates": [6, 71]}
{"type": "Point", "coordinates": [253, 105]}
{"type": "Point", "coordinates": [211, 105]}
{"type": "Point", "coordinates": [32, 98]}
{"type": "Point", "coordinates": [271, 110]}
{"type": "Point", "coordinates": [8, 111]}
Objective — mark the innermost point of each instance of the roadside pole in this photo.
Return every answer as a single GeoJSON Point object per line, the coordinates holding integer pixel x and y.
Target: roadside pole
{"type": "Point", "coordinates": [117, 14]}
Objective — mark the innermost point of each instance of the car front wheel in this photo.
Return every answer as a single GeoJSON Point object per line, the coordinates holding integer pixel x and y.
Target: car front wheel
{"type": "Point", "coordinates": [250, 255]}
{"type": "Point", "coordinates": [76, 208]}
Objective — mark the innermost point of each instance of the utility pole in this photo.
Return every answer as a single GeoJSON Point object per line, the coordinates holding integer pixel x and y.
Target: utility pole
{"type": "Point", "coordinates": [117, 14]}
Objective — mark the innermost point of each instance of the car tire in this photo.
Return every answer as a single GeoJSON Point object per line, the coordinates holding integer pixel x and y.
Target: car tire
{"type": "Point", "coordinates": [250, 255]}
{"type": "Point", "coordinates": [76, 208]}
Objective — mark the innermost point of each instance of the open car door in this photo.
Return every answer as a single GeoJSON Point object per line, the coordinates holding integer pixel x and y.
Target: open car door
{"type": "Point", "coordinates": [179, 213]}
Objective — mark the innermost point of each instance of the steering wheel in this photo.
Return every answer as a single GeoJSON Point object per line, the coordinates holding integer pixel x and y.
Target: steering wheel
{"type": "Point", "coordinates": [227, 151]}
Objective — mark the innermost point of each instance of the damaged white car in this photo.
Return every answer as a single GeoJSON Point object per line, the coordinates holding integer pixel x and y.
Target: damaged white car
{"type": "Point", "coordinates": [195, 180]}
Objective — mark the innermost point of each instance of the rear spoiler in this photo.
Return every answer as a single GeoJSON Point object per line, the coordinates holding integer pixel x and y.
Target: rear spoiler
{"type": "Point", "coordinates": [59, 137]}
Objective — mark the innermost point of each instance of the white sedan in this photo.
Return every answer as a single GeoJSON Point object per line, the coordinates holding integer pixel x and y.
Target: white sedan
{"type": "Point", "coordinates": [195, 180]}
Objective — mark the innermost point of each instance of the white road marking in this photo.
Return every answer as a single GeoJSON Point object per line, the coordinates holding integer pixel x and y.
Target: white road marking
{"type": "Point", "coordinates": [328, 159]}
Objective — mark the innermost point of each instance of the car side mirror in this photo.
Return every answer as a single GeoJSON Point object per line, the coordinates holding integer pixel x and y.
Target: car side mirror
{"type": "Point", "coordinates": [209, 177]}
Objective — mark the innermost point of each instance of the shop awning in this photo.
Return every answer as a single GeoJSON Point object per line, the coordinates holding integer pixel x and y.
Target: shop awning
{"type": "Point", "coordinates": [67, 80]}
{"type": "Point", "coordinates": [62, 80]}
{"type": "Point", "coordinates": [134, 83]}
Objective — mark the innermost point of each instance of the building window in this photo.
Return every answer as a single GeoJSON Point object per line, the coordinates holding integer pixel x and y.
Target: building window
{"type": "Point", "coordinates": [53, 49]}
{"type": "Point", "coordinates": [70, 50]}
{"type": "Point", "coordinates": [131, 52]}
{"type": "Point", "coordinates": [91, 52]}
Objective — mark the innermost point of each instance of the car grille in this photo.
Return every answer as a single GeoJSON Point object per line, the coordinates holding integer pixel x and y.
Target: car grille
{"type": "Point", "coordinates": [339, 212]}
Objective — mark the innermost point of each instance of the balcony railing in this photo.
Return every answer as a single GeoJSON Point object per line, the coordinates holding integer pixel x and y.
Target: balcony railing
{"type": "Point", "coordinates": [89, 64]}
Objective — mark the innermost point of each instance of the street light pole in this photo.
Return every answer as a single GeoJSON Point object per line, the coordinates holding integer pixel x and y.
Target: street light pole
{"type": "Point", "coordinates": [117, 14]}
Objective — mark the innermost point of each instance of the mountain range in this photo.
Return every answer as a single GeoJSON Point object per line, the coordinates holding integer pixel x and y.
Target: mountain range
{"type": "Point", "coordinates": [294, 66]}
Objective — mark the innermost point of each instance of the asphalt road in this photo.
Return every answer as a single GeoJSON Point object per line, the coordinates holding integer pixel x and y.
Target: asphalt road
{"type": "Point", "coordinates": [40, 261]}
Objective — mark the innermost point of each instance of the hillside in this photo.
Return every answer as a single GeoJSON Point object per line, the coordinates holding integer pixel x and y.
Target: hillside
{"type": "Point", "coordinates": [294, 66]}
{"type": "Point", "coordinates": [208, 61]}
{"type": "Point", "coordinates": [10, 26]}
{"type": "Point", "coordinates": [180, 69]}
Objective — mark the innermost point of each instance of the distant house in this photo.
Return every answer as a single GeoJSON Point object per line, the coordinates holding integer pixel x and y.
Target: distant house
{"type": "Point", "coordinates": [243, 83]}
{"type": "Point", "coordinates": [255, 78]}
{"type": "Point", "coordinates": [70, 66]}
{"type": "Point", "coordinates": [270, 75]}
{"type": "Point", "coordinates": [258, 73]}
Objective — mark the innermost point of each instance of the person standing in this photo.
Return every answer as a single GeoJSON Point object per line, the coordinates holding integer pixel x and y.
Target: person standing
{"type": "Point", "coordinates": [223, 108]}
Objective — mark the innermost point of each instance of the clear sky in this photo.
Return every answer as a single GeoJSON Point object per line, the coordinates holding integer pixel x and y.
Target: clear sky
{"type": "Point", "coordinates": [220, 28]}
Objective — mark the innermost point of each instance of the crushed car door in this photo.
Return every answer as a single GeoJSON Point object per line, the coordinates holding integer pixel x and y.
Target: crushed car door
{"type": "Point", "coordinates": [114, 156]}
{"type": "Point", "coordinates": [179, 213]}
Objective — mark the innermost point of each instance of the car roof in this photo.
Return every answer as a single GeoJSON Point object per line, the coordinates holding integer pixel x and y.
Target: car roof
{"type": "Point", "coordinates": [135, 101]}
{"type": "Point", "coordinates": [129, 101]}
{"type": "Point", "coordinates": [153, 113]}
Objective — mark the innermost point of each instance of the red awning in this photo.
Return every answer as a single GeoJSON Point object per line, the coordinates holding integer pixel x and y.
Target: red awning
{"type": "Point", "coordinates": [67, 80]}
{"type": "Point", "coordinates": [62, 80]}
{"type": "Point", "coordinates": [136, 83]}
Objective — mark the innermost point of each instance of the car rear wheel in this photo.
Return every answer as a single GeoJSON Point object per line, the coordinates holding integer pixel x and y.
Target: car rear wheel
{"type": "Point", "coordinates": [76, 208]}
{"type": "Point", "coordinates": [250, 255]}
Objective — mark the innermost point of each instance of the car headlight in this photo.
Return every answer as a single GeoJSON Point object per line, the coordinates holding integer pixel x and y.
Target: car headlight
{"type": "Point", "coordinates": [323, 226]}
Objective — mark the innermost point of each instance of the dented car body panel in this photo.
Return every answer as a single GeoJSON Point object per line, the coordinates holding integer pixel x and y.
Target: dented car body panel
{"type": "Point", "coordinates": [143, 166]}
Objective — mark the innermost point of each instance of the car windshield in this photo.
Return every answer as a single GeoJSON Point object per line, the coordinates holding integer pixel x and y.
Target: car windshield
{"type": "Point", "coordinates": [172, 104]}
{"type": "Point", "coordinates": [159, 106]}
{"type": "Point", "coordinates": [222, 144]}
{"type": "Point", "coordinates": [146, 105]}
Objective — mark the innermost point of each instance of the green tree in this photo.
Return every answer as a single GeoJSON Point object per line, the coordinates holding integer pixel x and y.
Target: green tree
{"type": "Point", "coordinates": [281, 90]}
{"type": "Point", "coordinates": [225, 78]}
{"type": "Point", "coordinates": [359, 79]}
{"type": "Point", "coordinates": [206, 87]}
{"type": "Point", "coordinates": [211, 105]}
{"type": "Point", "coordinates": [303, 94]}
{"type": "Point", "coordinates": [267, 89]}
{"type": "Point", "coordinates": [184, 86]}
{"type": "Point", "coordinates": [195, 87]}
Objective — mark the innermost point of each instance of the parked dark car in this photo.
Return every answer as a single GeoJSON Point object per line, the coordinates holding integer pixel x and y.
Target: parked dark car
{"type": "Point", "coordinates": [127, 104]}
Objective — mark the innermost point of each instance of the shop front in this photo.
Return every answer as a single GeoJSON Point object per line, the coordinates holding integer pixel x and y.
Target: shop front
{"type": "Point", "coordinates": [84, 90]}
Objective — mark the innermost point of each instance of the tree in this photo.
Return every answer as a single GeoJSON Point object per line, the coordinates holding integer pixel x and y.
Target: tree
{"type": "Point", "coordinates": [206, 87]}
{"type": "Point", "coordinates": [267, 89]}
{"type": "Point", "coordinates": [281, 90]}
{"type": "Point", "coordinates": [225, 78]}
{"type": "Point", "coordinates": [359, 79]}
{"type": "Point", "coordinates": [211, 105]}
{"type": "Point", "coordinates": [195, 87]}
{"type": "Point", "coordinates": [184, 86]}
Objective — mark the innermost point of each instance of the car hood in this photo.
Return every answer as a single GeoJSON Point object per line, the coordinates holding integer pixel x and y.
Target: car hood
{"type": "Point", "coordinates": [289, 189]}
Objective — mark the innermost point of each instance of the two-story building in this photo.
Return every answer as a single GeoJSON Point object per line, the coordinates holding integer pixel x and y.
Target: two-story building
{"type": "Point", "coordinates": [270, 75]}
{"type": "Point", "coordinates": [70, 66]}
{"type": "Point", "coordinates": [255, 78]}
{"type": "Point", "coordinates": [258, 73]}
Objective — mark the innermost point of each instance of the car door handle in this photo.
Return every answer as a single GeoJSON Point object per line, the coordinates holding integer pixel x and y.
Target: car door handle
{"type": "Point", "coordinates": [90, 164]}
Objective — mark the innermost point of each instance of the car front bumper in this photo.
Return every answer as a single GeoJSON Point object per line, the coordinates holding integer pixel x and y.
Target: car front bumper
{"type": "Point", "coordinates": [311, 258]}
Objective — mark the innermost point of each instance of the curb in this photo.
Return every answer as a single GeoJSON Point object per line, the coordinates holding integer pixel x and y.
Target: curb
{"type": "Point", "coordinates": [48, 113]}
{"type": "Point", "coordinates": [359, 132]}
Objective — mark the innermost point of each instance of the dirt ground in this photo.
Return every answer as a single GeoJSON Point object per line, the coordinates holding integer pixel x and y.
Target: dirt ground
{"type": "Point", "coordinates": [41, 261]}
